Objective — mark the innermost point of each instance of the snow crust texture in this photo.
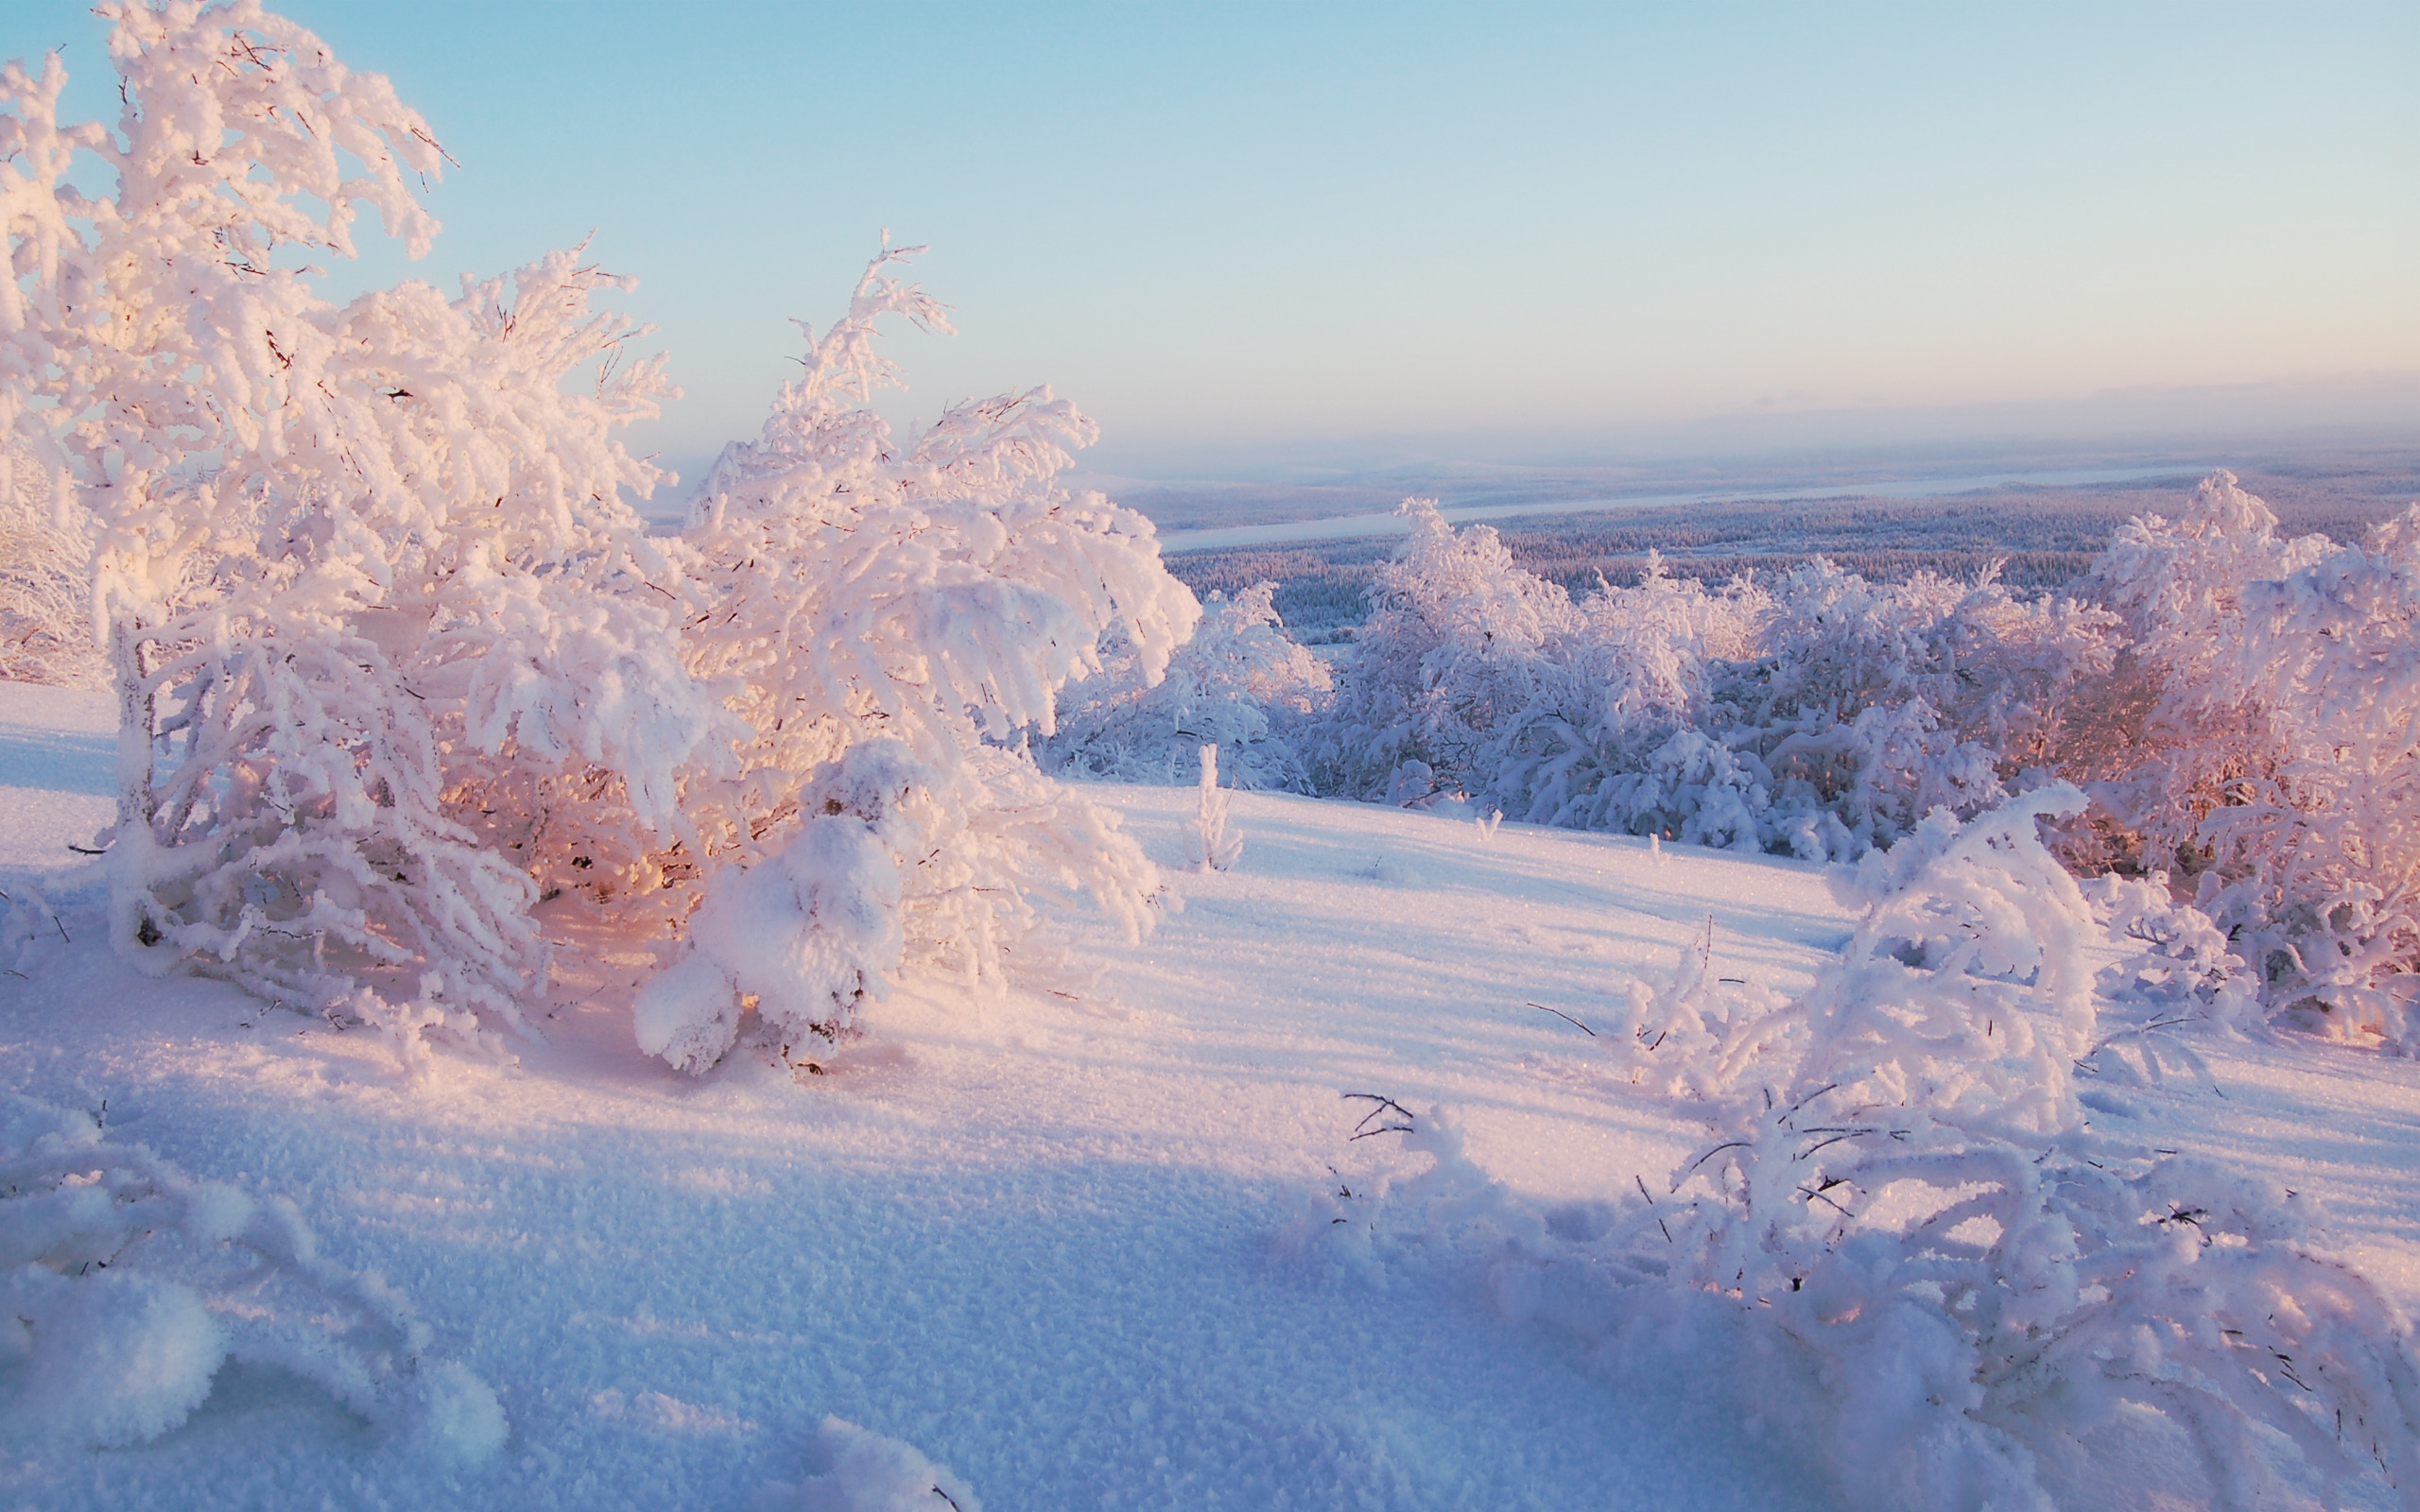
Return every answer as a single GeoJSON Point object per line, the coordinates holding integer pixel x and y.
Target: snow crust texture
{"type": "Point", "coordinates": [863, 1471]}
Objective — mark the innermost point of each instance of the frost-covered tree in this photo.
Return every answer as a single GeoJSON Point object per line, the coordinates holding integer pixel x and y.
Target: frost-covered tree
{"type": "Point", "coordinates": [1449, 655]}
{"type": "Point", "coordinates": [1242, 683]}
{"type": "Point", "coordinates": [1820, 715]}
{"type": "Point", "coordinates": [2275, 763]}
{"type": "Point", "coordinates": [371, 592]}
{"type": "Point", "coordinates": [2326, 845]}
{"type": "Point", "coordinates": [1869, 705]}
{"type": "Point", "coordinates": [1210, 846]}
{"type": "Point", "coordinates": [45, 579]}
{"type": "Point", "coordinates": [2194, 731]}
{"type": "Point", "coordinates": [394, 656]}
{"type": "Point", "coordinates": [885, 619]}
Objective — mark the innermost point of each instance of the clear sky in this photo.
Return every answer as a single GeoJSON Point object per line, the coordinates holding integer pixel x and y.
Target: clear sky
{"type": "Point", "coordinates": [1227, 230]}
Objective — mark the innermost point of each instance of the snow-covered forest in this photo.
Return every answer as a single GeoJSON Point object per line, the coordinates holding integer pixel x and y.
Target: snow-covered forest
{"type": "Point", "coordinates": [2043, 539]}
{"type": "Point", "coordinates": [881, 992]}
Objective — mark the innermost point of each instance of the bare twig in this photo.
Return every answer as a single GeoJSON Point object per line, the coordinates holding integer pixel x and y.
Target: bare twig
{"type": "Point", "coordinates": [1380, 1106]}
{"type": "Point", "coordinates": [1565, 1018]}
{"type": "Point", "coordinates": [1803, 1101]}
{"type": "Point", "coordinates": [2141, 1028]}
{"type": "Point", "coordinates": [1734, 1144]}
{"type": "Point", "coordinates": [1835, 1135]}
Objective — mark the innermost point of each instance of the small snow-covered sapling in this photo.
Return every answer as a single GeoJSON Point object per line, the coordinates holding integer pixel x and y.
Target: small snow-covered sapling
{"type": "Point", "coordinates": [1210, 848]}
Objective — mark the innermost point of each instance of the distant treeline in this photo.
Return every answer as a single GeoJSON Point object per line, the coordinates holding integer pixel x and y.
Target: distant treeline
{"type": "Point", "coordinates": [2044, 539]}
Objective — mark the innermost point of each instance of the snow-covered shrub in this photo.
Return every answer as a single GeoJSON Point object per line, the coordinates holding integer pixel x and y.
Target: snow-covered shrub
{"type": "Point", "coordinates": [810, 931]}
{"type": "Point", "coordinates": [1962, 1293]}
{"type": "Point", "coordinates": [1210, 847]}
{"type": "Point", "coordinates": [1449, 651]}
{"type": "Point", "coordinates": [1241, 684]}
{"type": "Point", "coordinates": [1611, 738]}
{"type": "Point", "coordinates": [395, 659]}
{"type": "Point", "coordinates": [1871, 705]}
{"type": "Point", "coordinates": [1819, 716]}
{"type": "Point", "coordinates": [2183, 963]}
{"type": "Point", "coordinates": [124, 1285]}
{"type": "Point", "coordinates": [2279, 767]}
{"type": "Point", "coordinates": [382, 629]}
{"type": "Point", "coordinates": [1913, 1196]}
{"type": "Point", "coordinates": [1680, 1025]}
{"type": "Point", "coordinates": [884, 619]}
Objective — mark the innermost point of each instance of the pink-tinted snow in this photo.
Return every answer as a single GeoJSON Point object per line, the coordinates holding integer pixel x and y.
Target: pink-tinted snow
{"type": "Point", "coordinates": [1031, 1236]}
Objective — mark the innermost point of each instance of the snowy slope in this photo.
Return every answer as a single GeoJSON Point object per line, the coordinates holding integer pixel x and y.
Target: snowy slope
{"type": "Point", "coordinates": [57, 752]}
{"type": "Point", "coordinates": [1037, 1237]}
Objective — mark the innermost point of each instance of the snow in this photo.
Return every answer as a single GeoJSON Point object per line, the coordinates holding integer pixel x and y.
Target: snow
{"type": "Point", "coordinates": [866, 1472]}
{"type": "Point", "coordinates": [56, 751]}
{"type": "Point", "coordinates": [115, 1359]}
{"type": "Point", "coordinates": [1036, 1245]}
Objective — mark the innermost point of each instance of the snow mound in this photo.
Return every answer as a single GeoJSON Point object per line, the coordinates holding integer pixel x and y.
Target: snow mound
{"type": "Point", "coordinates": [124, 1287]}
{"type": "Point", "coordinates": [106, 1359]}
{"type": "Point", "coordinates": [861, 1471]}
{"type": "Point", "coordinates": [808, 932]}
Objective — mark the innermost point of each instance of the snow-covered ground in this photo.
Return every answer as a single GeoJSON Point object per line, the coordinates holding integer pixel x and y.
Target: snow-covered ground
{"type": "Point", "coordinates": [1041, 1237]}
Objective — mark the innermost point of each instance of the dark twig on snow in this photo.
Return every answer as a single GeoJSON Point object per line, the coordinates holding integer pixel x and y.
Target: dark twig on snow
{"type": "Point", "coordinates": [1835, 1136]}
{"type": "Point", "coordinates": [1379, 1108]}
{"type": "Point", "coordinates": [1565, 1018]}
{"type": "Point", "coordinates": [2141, 1028]}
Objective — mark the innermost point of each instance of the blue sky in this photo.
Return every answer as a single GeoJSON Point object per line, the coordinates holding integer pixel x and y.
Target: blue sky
{"type": "Point", "coordinates": [1230, 232]}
